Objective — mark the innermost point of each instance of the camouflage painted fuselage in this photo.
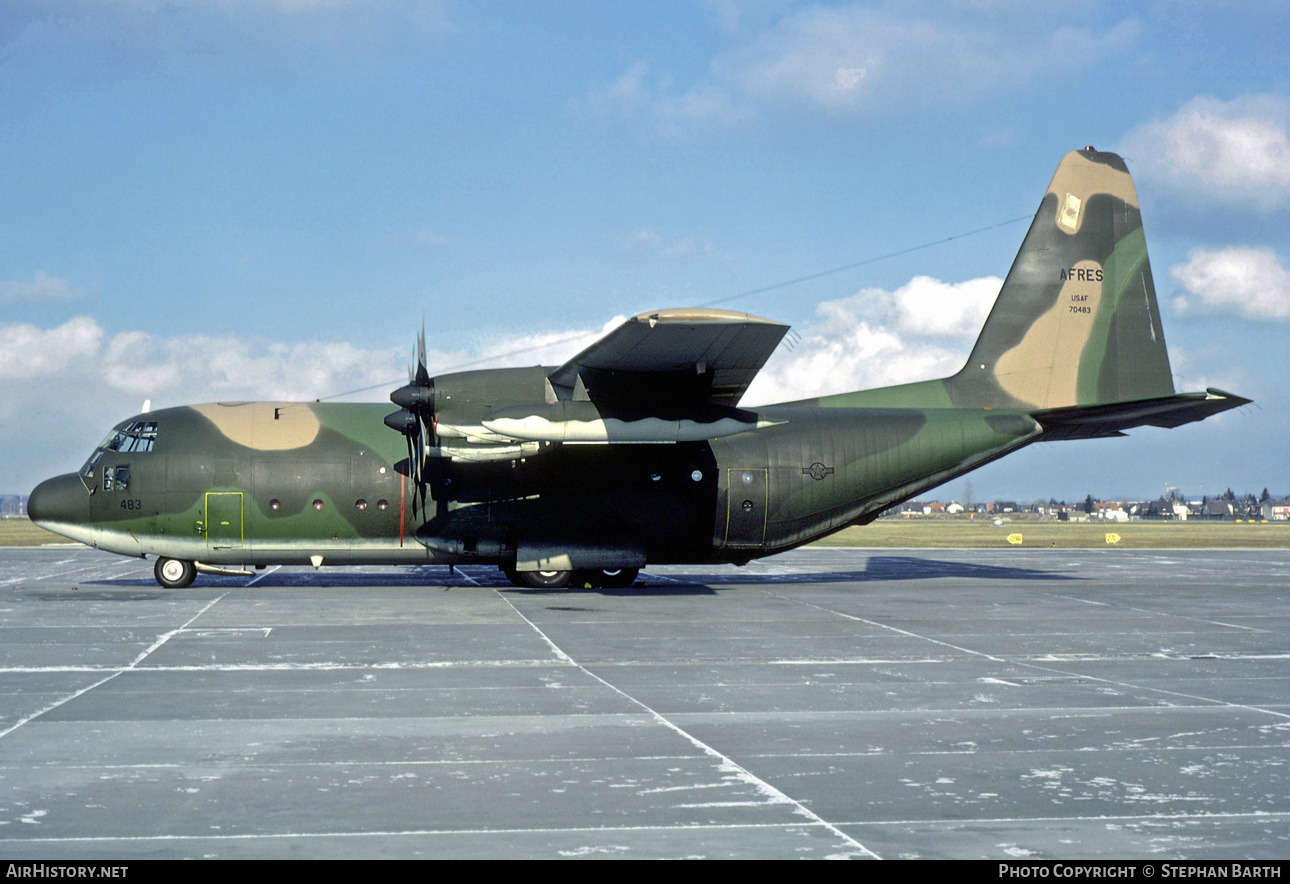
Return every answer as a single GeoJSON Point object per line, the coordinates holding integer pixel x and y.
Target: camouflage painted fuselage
{"type": "Point", "coordinates": [635, 451]}
{"type": "Point", "coordinates": [286, 483]}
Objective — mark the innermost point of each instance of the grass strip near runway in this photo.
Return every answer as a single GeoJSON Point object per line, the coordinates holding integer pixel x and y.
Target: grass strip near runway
{"type": "Point", "coordinates": [21, 532]}
{"type": "Point", "coordinates": [983, 533]}
{"type": "Point", "coordinates": [962, 534]}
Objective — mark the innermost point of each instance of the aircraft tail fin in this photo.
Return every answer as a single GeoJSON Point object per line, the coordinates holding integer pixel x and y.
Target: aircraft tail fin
{"type": "Point", "coordinates": [1076, 322]}
{"type": "Point", "coordinates": [1074, 337]}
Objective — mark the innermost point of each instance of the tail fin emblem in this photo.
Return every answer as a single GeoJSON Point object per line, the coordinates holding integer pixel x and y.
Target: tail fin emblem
{"type": "Point", "coordinates": [1068, 217]}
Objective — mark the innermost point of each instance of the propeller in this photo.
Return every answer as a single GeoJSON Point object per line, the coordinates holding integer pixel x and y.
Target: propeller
{"type": "Point", "coordinates": [416, 412]}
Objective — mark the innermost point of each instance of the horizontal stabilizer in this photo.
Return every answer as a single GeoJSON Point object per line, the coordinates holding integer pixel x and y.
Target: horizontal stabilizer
{"type": "Point", "coordinates": [1094, 421]}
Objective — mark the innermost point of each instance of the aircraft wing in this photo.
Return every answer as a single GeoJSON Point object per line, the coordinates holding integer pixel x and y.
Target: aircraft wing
{"type": "Point", "coordinates": [670, 359]}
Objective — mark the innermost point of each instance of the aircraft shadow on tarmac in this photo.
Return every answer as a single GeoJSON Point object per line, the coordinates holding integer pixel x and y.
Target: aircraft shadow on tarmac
{"type": "Point", "coordinates": [877, 569]}
{"type": "Point", "coordinates": [915, 568]}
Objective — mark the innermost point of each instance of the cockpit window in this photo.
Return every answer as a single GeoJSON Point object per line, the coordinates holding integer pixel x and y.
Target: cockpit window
{"type": "Point", "coordinates": [136, 437]}
{"type": "Point", "coordinates": [116, 478]}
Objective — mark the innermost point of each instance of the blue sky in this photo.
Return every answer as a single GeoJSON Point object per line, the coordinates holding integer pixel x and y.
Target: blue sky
{"type": "Point", "coordinates": [233, 199]}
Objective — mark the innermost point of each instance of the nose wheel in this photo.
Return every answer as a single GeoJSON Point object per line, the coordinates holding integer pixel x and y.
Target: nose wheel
{"type": "Point", "coordinates": [174, 573]}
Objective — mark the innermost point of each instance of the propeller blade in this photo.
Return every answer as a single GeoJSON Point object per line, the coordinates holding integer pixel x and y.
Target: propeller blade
{"type": "Point", "coordinates": [416, 402]}
{"type": "Point", "coordinates": [421, 463]}
{"type": "Point", "coordinates": [423, 376]}
{"type": "Point", "coordinates": [412, 473]}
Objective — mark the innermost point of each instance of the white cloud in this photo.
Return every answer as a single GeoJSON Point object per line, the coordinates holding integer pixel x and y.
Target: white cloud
{"type": "Point", "coordinates": [876, 338]}
{"type": "Point", "coordinates": [41, 287]}
{"type": "Point", "coordinates": [195, 369]}
{"type": "Point", "coordinates": [1231, 152]}
{"type": "Point", "coordinates": [1253, 281]}
{"type": "Point", "coordinates": [30, 352]}
{"type": "Point", "coordinates": [855, 61]}
{"type": "Point", "coordinates": [928, 307]}
{"type": "Point", "coordinates": [136, 365]}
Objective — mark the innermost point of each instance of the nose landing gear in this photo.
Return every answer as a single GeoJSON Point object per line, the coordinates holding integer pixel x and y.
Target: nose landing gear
{"type": "Point", "coordinates": [174, 573]}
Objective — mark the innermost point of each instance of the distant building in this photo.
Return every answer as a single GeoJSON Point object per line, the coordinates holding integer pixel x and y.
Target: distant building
{"type": "Point", "coordinates": [1216, 509]}
{"type": "Point", "coordinates": [1110, 511]}
{"type": "Point", "coordinates": [1160, 508]}
{"type": "Point", "coordinates": [13, 504]}
{"type": "Point", "coordinates": [1275, 510]}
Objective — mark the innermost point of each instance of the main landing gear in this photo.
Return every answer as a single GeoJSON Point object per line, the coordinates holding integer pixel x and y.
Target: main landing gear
{"type": "Point", "coordinates": [616, 578]}
{"type": "Point", "coordinates": [606, 578]}
{"type": "Point", "coordinates": [174, 573]}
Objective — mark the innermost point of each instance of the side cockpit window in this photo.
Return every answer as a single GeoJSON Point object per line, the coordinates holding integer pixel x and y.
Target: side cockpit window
{"type": "Point", "coordinates": [116, 478]}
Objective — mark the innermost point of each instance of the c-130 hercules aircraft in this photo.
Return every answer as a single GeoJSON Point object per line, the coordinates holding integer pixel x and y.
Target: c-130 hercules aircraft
{"type": "Point", "coordinates": [635, 451]}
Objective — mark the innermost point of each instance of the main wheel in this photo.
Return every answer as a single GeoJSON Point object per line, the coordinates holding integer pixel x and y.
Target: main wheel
{"type": "Point", "coordinates": [614, 578]}
{"type": "Point", "coordinates": [174, 573]}
{"type": "Point", "coordinates": [539, 579]}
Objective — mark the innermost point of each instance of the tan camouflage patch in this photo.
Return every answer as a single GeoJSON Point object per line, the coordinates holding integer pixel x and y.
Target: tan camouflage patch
{"type": "Point", "coordinates": [1078, 178]}
{"type": "Point", "coordinates": [1056, 339]}
{"type": "Point", "coordinates": [264, 426]}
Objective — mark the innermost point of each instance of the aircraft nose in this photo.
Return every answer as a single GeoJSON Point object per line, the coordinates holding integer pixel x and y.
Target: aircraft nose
{"type": "Point", "coordinates": [60, 499]}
